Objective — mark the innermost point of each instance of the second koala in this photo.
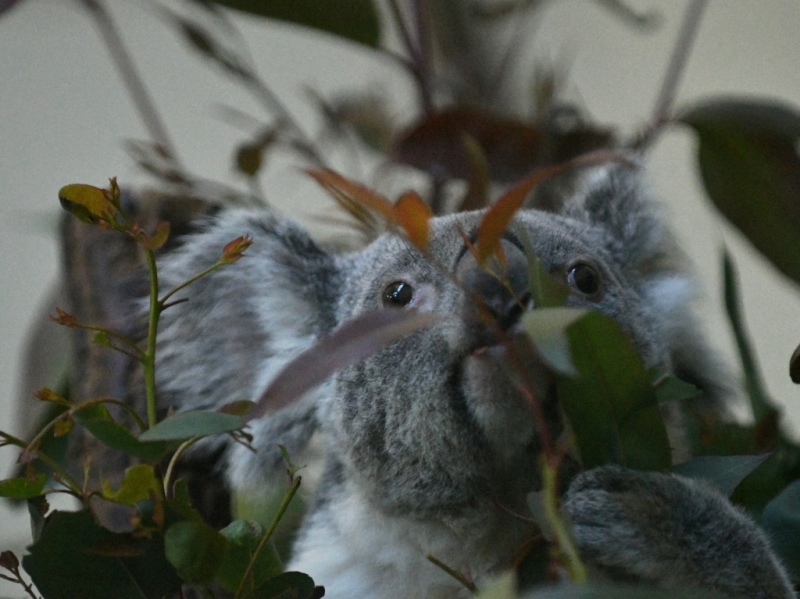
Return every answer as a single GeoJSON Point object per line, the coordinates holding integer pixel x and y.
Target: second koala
{"type": "Point", "coordinates": [428, 438]}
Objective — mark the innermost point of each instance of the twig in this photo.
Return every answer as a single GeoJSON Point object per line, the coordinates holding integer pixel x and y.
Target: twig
{"type": "Point", "coordinates": [418, 65]}
{"type": "Point", "coordinates": [265, 539]}
{"type": "Point", "coordinates": [130, 77]}
{"type": "Point", "coordinates": [675, 69]}
{"type": "Point", "coordinates": [454, 573]}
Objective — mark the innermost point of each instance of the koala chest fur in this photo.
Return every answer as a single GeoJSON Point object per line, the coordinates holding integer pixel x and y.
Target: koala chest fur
{"type": "Point", "coordinates": [432, 449]}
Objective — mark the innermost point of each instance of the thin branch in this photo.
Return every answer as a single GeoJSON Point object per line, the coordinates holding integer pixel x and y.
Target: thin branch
{"type": "Point", "coordinates": [418, 57]}
{"type": "Point", "coordinates": [130, 77]}
{"type": "Point", "coordinates": [466, 582]}
{"type": "Point", "coordinates": [677, 65]}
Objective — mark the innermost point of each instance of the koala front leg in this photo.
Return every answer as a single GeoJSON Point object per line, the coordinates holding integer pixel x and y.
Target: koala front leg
{"type": "Point", "coordinates": [670, 531]}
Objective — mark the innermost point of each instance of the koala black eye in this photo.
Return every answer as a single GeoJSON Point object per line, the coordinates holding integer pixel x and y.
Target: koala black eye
{"type": "Point", "coordinates": [584, 278]}
{"type": "Point", "coordinates": [397, 294]}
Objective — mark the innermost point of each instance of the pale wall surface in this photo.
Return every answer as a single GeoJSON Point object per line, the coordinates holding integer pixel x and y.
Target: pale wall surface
{"type": "Point", "coordinates": [63, 114]}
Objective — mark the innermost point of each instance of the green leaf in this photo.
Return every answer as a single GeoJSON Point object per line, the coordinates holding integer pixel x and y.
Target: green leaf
{"type": "Point", "coordinates": [751, 170]}
{"type": "Point", "coordinates": [767, 481]}
{"type": "Point", "coordinates": [547, 329]}
{"type": "Point", "coordinates": [195, 549]}
{"type": "Point", "coordinates": [86, 203]}
{"type": "Point", "coordinates": [116, 436]}
{"type": "Point", "coordinates": [611, 405]}
{"type": "Point", "coordinates": [136, 485]}
{"type": "Point", "coordinates": [781, 521]}
{"type": "Point", "coordinates": [75, 557]}
{"type": "Point", "coordinates": [289, 585]}
{"type": "Point", "coordinates": [243, 539]}
{"type": "Point", "coordinates": [181, 502]}
{"type": "Point", "coordinates": [356, 20]}
{"type": "Point", "coordinates": [23, 488]}
{"type": "Point", "coordinates": [197, 423]}
{"type": "Point", "coordinates": [725, 472]}
{"type": "Point", "coordinates": [671, 388]}
{"type": "Point", "coordinates": [759, 399]}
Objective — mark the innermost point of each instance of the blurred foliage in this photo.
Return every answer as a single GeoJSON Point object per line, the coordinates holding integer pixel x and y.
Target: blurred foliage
{"type": "Point", "coordinates": [463, 133]}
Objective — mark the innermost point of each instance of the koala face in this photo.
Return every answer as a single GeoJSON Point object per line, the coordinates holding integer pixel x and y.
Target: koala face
{"type": "Point", "coordinates": [434, 421]}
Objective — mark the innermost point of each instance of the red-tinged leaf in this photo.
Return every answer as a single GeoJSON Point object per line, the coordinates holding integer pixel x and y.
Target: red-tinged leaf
{"type": "Point", "coordinates": [498, 216]}
{"type": "Point", "coordinates": [511, 148]}
{"type": "Point", "coordinates": [350, 343]}
{"type": "Point", "coordinates": [8, 560]}
{"type": "Point", "coordinates": [235, 249]}
{"type": "Point", "coordinates": [157, 239]}
{"type": "Point", "coordinates": [86, 203]}
{"type": "Point", "coordinates": [412, 214]}
{"type": "Point", "coordinates": [64, 319]}
{"type": "Point", "coordinates": [345, 191]}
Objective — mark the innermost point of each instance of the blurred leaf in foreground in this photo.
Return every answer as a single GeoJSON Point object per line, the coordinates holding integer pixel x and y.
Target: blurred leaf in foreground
{"type": "Point", "coordinates": [751, 170]}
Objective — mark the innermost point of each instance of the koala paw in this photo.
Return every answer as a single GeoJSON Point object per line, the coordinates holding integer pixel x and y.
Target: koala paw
{"type": "Point", "coordinates": [670, 531]}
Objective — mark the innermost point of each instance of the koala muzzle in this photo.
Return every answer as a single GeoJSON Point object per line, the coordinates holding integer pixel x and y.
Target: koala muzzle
{"type": "Point", "coordinates": [499, 290]}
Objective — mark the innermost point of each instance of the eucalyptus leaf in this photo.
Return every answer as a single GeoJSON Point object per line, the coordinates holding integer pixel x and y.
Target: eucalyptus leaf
{"type": "Point", "coordinates": [356, 20]}
{"type": "Point", "coordinates": [547, 329]}
{"type": "Point", "coordinates": [116, 436]}
{"type": "Point", "coordinates": [195, 549]}
{"type": "Point", "coordinates": [611, 405]}
{"type": "Point", "coordinates": [24, 487]}
{"type": "Point", "coordinates": [289, 584]}
{"type": "Point", "coordinates": [724, 472]}
{"type": "Point", "coordinates": [196, 423]}
{"type": "Point", "coordinates": [781, 521]}
{"type": "Point", "coordinates": [74, 558]}
{"type": "Point", "coordinates": [244, 537]}
{"type": "Point", "coordinates": [671, 388]}
{"type": "Point", "coordinates": [751, 170]}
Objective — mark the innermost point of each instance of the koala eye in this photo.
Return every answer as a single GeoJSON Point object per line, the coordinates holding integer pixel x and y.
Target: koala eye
{"type": "Point", "coordinates": [584, 278]}
{"type": "Point", "coordinates": [397, 294]}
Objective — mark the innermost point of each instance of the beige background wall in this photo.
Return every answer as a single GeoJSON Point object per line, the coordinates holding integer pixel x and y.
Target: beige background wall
{"type": "Point", "coordinates": [64, 113]}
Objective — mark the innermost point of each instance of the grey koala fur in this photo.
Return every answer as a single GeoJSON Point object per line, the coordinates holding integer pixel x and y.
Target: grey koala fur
{"type": "Point", "coordinates": [428, 437]}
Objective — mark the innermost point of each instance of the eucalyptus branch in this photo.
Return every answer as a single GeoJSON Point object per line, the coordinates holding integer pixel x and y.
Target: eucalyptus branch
{"type": "Point", "coordinates": [416, 65]}
{"type": "Point", "coordinates": [131, 78]}
{"type": "Point", "coordinates": [267, 535]}
{"type": "Point", "coordinates": [677, 65]}
{"type": "Point", "coordinates": [149, 358]}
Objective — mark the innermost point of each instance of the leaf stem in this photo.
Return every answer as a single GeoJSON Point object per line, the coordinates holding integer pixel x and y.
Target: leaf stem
{"type": "Point", "coordinates": [563, 537]}
{"type": "Point", "coordinates": [174, 460]}
{"type": "Point", "coordinates": [149, 358]}
{"type": "Point", "coordinates": [453, 573]}
{"type": "Point", "coordinates": [188, 282]}
{"type": "Point", "coordinates": [267, 535]}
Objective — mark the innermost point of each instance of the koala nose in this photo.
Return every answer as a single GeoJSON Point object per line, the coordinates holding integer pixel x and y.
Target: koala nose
{"type": "Point", "coordinates": [502, 291]}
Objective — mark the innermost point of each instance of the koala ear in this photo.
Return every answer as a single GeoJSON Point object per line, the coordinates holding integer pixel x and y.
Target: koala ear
{"type": "Point", "coordinates": [240, 324]}
{"type": "Point", "coordinates": [615, 199]}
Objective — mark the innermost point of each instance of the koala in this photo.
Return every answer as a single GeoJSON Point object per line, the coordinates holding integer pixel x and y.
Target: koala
{"type": "Point", "coordinates": [430, 448]}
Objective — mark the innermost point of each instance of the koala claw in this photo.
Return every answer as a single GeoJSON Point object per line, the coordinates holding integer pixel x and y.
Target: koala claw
{"type": "Point", "coordinates": [670, 531]}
